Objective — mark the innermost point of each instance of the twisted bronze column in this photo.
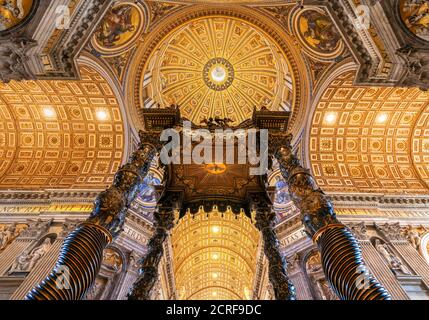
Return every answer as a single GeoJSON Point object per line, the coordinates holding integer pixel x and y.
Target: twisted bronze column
{"type": "Point", "coordinates": [164, 222]}
{"type": "Point", "coordinates": [340, 251]}
{"type": "Point", "coordinates": [82, 251]}
{"type": "Point", "coordinates": [277, 266]}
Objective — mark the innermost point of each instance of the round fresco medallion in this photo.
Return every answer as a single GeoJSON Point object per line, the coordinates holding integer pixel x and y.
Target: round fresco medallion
{"type": "Point", "coordinates": [14, 13]}
{"type": "Point", "coordinates": [415, 15]}
{"type": "Point", "coordinates": [119, 28]}
{"type": "Point", "coordinates": [318, 33]}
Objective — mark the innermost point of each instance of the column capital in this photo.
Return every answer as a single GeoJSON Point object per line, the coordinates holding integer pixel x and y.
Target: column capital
{"type": "Point", "coordinates": [279, 140]}
{"type": "Point", "coordinates": [151, 139]}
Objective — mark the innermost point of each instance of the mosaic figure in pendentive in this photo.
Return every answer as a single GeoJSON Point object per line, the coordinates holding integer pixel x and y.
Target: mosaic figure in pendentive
{"type": "Point", "coordinates": [319, 31]}
{"type": "Point", "coordinates": [12, 12]}
{"type": "Point", "coordinates": [117, 27]}
{"type": "Point", "coordinates": [415, 14]}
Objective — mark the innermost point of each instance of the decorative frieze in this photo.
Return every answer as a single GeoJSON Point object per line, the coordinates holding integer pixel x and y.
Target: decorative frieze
{"type": "Point", "coordinates": [36, 228]}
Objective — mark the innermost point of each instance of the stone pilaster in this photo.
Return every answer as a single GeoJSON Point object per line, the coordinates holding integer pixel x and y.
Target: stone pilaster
{"type": "Point", "coordinates": [298, 278]}
{"type": "Point", "coordinates": [39, 272]}
{"type": "Point", "coordinates": [150, 263]}
{"type": "Point", "coordinates": [381, 271]}
{"type": "Point", "coordinates": [131, 276]}
{"type": "Point", "coordinates": [414, 260]}
{"type": "Point", "coordinates": [164, 217]}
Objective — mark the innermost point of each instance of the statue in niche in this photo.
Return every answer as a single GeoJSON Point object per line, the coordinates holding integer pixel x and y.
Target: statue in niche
{"type": "Point", "coordinates": [2, 233]}
{"type": "Point", "coordinates": [26, 261]}
{"type": "Point", "coordinates": [21, 262]}
{"type": "Point", "coordinates": [6, 235]}
{"type": "Point", "coordinates": [95, 290]}
{"type": "Point", "coordinates": [394, 261]}
{"type": "Point", "coordinates": [317, 276]}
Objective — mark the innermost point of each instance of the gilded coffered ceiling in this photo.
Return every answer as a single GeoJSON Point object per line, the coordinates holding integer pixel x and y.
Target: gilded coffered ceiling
{"type": "Point", "coordinates": [217, 66]}
{"type": "Point", "coordinates": [60, 134]}
{"type": "Point", "coordinates": [214, 256]}
{"type": "Point", "coordinates": [370, 139]}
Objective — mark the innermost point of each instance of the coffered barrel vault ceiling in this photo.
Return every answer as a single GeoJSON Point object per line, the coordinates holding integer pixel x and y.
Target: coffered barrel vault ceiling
{"type": "Point", "coordinates": [370, 139]}
{"type": "Point", "coordinates": [214, 256]}
{"type": "Point", "coordinates": [217, 66]}
{"type": "Point", "coordinates": [60, 134]}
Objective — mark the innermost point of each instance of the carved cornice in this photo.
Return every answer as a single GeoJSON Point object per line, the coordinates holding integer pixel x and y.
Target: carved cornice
{"type": "Point", "coordinates": [44, 50]}
{"type": "Point", "coordinates": [134, 220]}
{"type": "Point", "coordinates": [406, 202]}
{"type": "Point", "coordinates": [47, 196]}
{"type": "Point", "coordinates": [363, 201]}
{"type": "Point", "coordinates": [404, 54]}
{"type": "Point", "coordinates": [289, 225]}
{"type": "Point", "coordinates": [74, 38]}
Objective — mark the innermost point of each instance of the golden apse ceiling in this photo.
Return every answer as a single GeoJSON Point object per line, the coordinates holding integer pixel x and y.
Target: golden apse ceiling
{"type": "Point", "coordinates": [214, 256]}
{"type": "Point", "coordinates": [372, 139]}
{"type": "Point", "coordinates": [60, 134]}
{"type": "Point", "coordinates": [217, 66]}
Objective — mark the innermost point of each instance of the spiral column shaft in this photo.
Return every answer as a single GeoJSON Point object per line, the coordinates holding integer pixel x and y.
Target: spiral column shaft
{"type": "Point", "coordinates": [277, 267]}
{"type": "Point", "coordinates": [164, 218]}
{"type": "Point", "coordinates": [82, 252]}
{"type": "Point", "coordinates": [340, 251]}
{"type": "Point", "coordinates": [142, 288]}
